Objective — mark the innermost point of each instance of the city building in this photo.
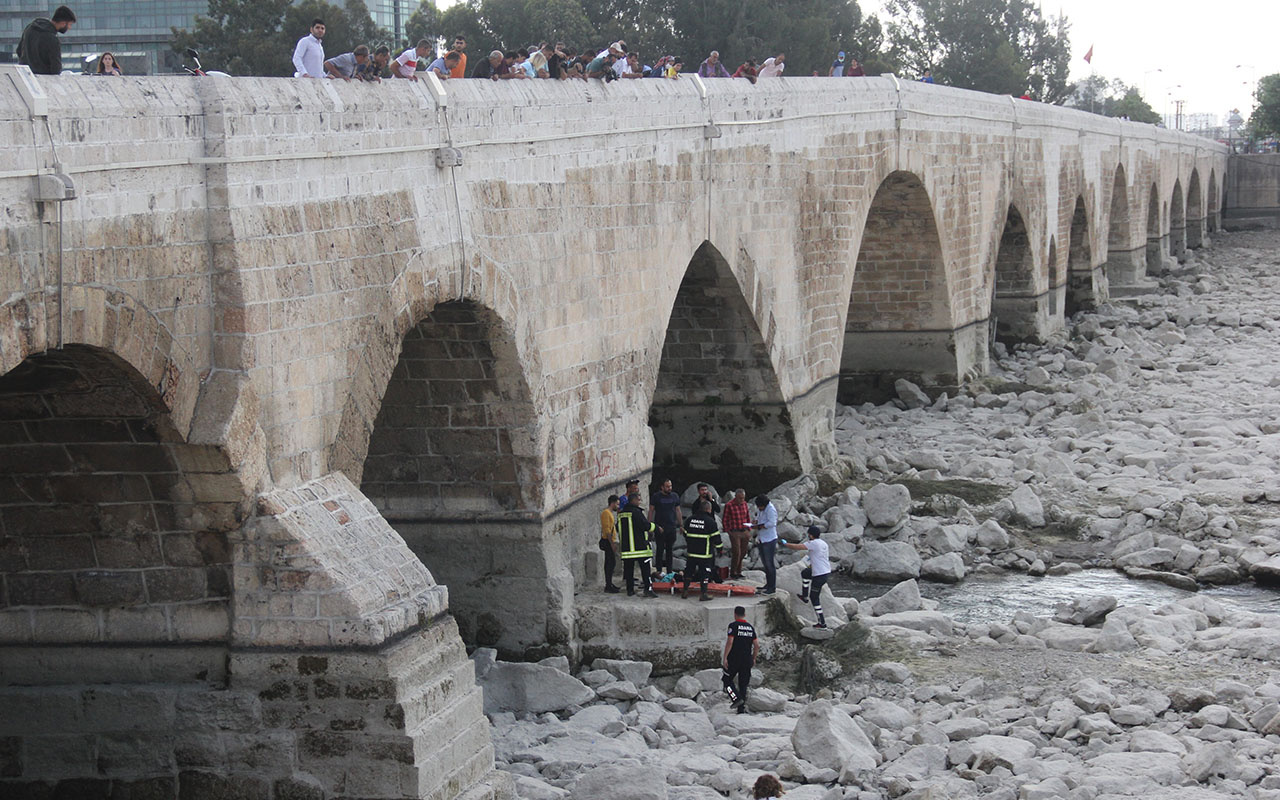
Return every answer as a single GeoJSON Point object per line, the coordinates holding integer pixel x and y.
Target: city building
{"type": "Point", "coordinates": [138, 32]}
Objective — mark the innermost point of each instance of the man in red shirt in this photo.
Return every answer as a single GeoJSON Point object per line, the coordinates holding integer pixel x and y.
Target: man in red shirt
{"type": "Point", "coordinates": [737, 516]}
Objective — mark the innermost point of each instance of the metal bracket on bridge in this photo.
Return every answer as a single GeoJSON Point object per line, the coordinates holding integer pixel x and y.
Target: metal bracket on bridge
{"type": "Point", "coordinates": [54, 187]}
{"type": "Point", "coordinates": [448, 157]}
{"type": "Point", "coordinates": [32, 93]}
{"type": "Point", "coordinates": [711, 131]}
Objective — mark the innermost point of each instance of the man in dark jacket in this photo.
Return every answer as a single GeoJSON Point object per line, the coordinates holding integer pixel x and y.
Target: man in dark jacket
{"type": "Point", "coordinates": [39, 47]}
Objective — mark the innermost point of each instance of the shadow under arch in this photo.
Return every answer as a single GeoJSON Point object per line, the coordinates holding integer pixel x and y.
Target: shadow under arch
{"type": "Point", "coordinates": [899, 323]}
{"type": "Point", "coordinates": [453, 465]}
{"type": "Point", "coordinates": [1177, 223]}
{"type": "Point", "coordinates": [1155, 239]}
{"type": "Point", "coordinates": [718, 414]}
{"type": "Point", "coordinates": [1213, 219]}
{"type": "Point", "coordinates": [1057, 286]}
{"type": "Point", "coordinates": [1195, 212]}
{"type": "Point", "coordinates": [1126, 263]}
{"type": "Point", "coordinates": [1081, 290]}
{"type": "Point", "coordinates": [1018, 312]}
{"type": "Point", "coordinates": [117, 557]}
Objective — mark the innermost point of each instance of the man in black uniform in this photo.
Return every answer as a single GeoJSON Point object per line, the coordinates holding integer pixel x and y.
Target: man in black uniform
{"type": "Point", "coordinates": [705, 542]}
{"type": "Point", "coordinates": [633, 544]}
{"type": "Point", "coordinates": [739, 656]}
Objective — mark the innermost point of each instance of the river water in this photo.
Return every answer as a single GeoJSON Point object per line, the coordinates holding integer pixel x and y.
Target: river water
{"type": "Point", "coordinates": [987, 599]}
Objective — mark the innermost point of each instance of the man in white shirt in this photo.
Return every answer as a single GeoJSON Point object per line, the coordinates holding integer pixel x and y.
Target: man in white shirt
{"type": "Point", "coordinates": [406, 65]}
{"type": "Point", "coordinates": [814, 576]}
{"type": "Point", "coordinates": [773, 67]}
{"type": "Point", "coordinates": [308, 54]}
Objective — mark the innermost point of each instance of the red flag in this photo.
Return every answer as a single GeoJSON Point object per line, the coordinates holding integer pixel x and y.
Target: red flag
{"type": "Point", "coordinates": [1088, 57]}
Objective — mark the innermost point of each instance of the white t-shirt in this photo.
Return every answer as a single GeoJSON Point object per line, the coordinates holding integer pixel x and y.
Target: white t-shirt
{"type": "Point", "coordinates": [819, 557]}
{"type": "Point", "coordinates": [407, 63]}
{"type": "Point", "coordinates": [771, 69]}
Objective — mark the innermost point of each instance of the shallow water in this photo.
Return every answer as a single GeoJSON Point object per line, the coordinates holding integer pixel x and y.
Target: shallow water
{"type": "Point", "coordinates": [996, 598]}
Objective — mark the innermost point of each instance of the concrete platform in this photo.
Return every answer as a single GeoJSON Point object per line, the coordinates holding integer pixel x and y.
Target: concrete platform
{"type": "Point", "coordinates": [672, 633]}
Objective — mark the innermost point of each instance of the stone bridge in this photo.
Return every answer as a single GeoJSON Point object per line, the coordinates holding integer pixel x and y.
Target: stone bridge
{"type": "Point", "coordinates": [299, 355]}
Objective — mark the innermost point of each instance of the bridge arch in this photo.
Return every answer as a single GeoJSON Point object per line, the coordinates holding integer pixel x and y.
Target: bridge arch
{"type": "Point", "coordinates": [1155, 240]}
{"type": "Point", "coordinates": [899, 323]}
{"type": "Point", "coordinates": [1177, 222]}
{"type": "Point", "coordinates": [116, 555]}
{"type": "Point", "coordinates": [718, 413]}
{"type": "Point", "coordinates": [1126, 264]}
{"type": "Point", "coordinates": [1195, 212]}
{"type": "Point", "coordinates": [1080, 292]}
{"type": "Point", "coordinates": [1213, 219]}
{"type": "Point", "coordinates": [453, 464]}
{"type": "Point", "coordinates": [1018, 312]}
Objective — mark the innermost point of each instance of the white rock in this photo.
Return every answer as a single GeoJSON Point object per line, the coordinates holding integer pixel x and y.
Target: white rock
{"type": "Point", "coordinates": [958, 728]}
{"type": "Point", "coordinates": [766, 700]}
{"type": "Point", "coordinates": [635, 671]}
{"type": "Point", "coordinates": [1132, 715]}
{"type": "Point", "coordinates": [1150, 741]}
{"type": "Point", "coordinates": [934, 622]}
{"type": "Point", "coordinates": [918, 763]}
{"type": "Point", "coordinates": [910, 394]}
{"type": "Point", "coordinates": [1086, 610]}
{"type": "Point", "coordinates": [887, 561]}
{"type": "Point", "coordinates": [528, 788]}
{"type": "Point", "coordinates": [904, 596]}
{"type": "Point", "coordinates": [532, 688]}
{"type": "Point", "coordinates": [991, 536]}
{"type": "Point", "coordinates": [886, 714]}
{"type": "Point", "coordinates": [886, 504]}
{"type": "Point", "coordinates": [694, 726]}
{"type": "Point", "coordinates": [1027, 507]}
{"type": "Point", "coordinates": [595, 718]}
{"type": "Point", "coordinates": [688, 686]}
{"type": "Point", "coordinates": [1163, 768]}
{"type": "Point", "coordinates": [827, 737]}
{"type": "Point", "coordinates": [890, 672]}
{"type": "Point", "coordinates": [618, 690]}
{"type": "Point", "coordinates": [946, 568]}
{"type": "Point", "coordinates": [992, 751]}
{"type": "Point", "coordinates": [619, 783]}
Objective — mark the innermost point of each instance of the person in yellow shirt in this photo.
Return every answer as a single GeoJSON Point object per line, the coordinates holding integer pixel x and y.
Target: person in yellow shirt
{"type": "Point", "coordinates": [609, 542]}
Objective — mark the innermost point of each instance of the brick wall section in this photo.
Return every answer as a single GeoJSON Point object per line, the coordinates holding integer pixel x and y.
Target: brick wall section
{"type": "Point", "coordinates": [453, 437]}
{"type": "Point", "coordinates": [102, 535]}
{"type": "Point", "coordinates": [718, 413]}
{"type": "Point", "coordinates": [900, 282]}
{"type": "Point", "coordinates": [1015, 267]}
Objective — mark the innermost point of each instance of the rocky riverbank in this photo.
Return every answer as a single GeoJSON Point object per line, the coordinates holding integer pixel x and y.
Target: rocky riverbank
{"type": "Point", "coordinates": [1144, 439]}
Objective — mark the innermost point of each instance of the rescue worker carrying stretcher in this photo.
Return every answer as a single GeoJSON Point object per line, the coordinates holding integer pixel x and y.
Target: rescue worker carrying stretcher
{"type": "Point", "coordinates": [635, 545]}
{"type": "Point", "coordinates": [705, 542]}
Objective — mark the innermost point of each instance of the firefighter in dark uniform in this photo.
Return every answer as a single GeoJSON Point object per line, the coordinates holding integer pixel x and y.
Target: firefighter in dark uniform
{"type": "Point", "coordinates": [739, 656]}
{"type": "Point", "coordinates": [704, 540]}
{"type": "Point", "coordinates": [634, 544]}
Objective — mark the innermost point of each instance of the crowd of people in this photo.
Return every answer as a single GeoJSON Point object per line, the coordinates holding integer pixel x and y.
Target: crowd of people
{"type": "Point", "coordinates": [40, 49]}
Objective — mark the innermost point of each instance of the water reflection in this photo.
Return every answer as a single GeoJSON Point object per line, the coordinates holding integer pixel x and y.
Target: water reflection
{"type": "Point", "coordinates": [996, 598]}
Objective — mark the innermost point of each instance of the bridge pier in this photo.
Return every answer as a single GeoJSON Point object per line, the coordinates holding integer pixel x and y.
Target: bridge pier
{"type": "Point", "coordinates": [938, 361]}
{"type": "Point", "coordinates": [1127, 268]}
{"type": "Point", "coordinates": [1022, 319]}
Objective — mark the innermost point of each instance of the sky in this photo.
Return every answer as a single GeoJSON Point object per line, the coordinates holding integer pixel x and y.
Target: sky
{"type": "Point", "coordinates": [1207, 55]}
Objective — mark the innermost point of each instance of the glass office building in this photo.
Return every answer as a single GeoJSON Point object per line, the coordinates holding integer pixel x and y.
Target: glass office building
{"type": "Point", "coordinates": [138, 32]}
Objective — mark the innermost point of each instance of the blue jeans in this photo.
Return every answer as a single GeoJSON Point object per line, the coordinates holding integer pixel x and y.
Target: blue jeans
{"type": "Point", "coordinates": [767, 550]}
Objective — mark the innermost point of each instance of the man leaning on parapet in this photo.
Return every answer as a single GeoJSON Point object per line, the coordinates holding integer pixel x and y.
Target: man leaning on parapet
{"type": "Point", "coordinates": [39, 47]}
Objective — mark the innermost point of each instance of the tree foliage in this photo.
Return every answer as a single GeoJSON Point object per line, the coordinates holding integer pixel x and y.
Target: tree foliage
{"type": "Point", "coordinates": [999, 46]}
{"type": "Point", "coordinates": [257, 37]}
{"type": "Point", "coordinates": [1111, 98]}
{"type": "Point", "coordinates": [1265, 119]}
{"type": "Point", "coordinates": [423, 23]}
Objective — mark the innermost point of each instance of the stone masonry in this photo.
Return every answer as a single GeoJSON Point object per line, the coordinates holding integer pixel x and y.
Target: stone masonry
{"type": "Point", "coordinates": [287, 406]}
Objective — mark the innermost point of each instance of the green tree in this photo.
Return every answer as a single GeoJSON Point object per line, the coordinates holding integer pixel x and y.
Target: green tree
{"type": "Point", "coordinates": [1265, 119]}
{"type": "Point", "coordinates": [1132, 105]}
{"type": "Point", "coordinates": [464, 18]}
{"type": "Point", "coordinates": [423, 23]}
{"type": "Point", "coordinates": [1111, 98]}
{"type": "Point", "coordinates": [257, 37]}
{"type": "Point", "coordinates": [1000, 46]}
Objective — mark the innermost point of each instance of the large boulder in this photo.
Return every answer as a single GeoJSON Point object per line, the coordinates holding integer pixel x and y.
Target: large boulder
{"type": "Point", "coordinates": [1027, 507]}
{"type": "Point", "coordinates": [886, 561]}
{"type": "Point", "coordinates": [904, 596]}
{"type": "Point", "coordinates": [993, 751]}
{"type": "Point", "coordinates": [946, 568]}
{"type": "Point", "coordinates": [621, 782]}
{"type": "Point", "coordinates": [1086, 610]}
{"type": "Point", "coordinates": [635, 671]}
{"type": "Point", "coordinates": [991, 536]}
{"type": "Point", "coordinates": [532, 688]}
{"type": "Point", "coordinates": [886, 504]}
{"type": "Point", "coordinates": [910, 394]}
{"type": "Point", "coordinates": [825, 736]}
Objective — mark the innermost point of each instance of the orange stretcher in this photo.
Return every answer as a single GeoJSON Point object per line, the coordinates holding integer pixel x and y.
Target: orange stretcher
{"type": "Point", "coordinates": [726, 589]}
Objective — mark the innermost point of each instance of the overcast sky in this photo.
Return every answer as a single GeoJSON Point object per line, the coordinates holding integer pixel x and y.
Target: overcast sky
{"type": "Point", "coordinates": [1196, 47]}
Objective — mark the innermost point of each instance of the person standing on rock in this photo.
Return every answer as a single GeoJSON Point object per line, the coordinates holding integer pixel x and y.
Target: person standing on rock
{"type": "Point", "coordinates": [634, 547]}
{"type": "Point", "coordinates": [664, 511]}
{"type": "Point", "coordinates": [704, 540]}
{"type": "Point", "coordinates": [739, 656]}
{"type": "Point", "coordinates": [737, 521]}
{"type": "Point", "coordinates": [609, 541]}
{"type": "Point", "coordinates": [766, 526]}
{"type": "Point", "coordinates": [814, 576]}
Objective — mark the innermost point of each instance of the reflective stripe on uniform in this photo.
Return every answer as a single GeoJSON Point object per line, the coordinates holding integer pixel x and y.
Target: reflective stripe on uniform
{"type": "Point", "coordinates": [633, 542]}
